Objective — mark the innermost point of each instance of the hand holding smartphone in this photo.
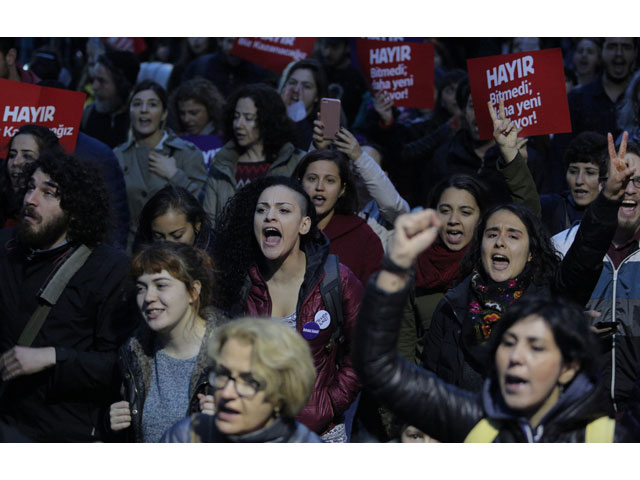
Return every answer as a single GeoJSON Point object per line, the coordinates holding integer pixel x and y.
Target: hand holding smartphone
{"type": "Point", "coordinates": [330, 116]}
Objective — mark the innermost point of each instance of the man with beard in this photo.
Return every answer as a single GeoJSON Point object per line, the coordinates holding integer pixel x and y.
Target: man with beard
{"type": "Point", "coordinates": [55, 387]}
{"type": "Point", "coordinates": [593, 106]}
{"type": "Point", "coordinates": [107, 118]}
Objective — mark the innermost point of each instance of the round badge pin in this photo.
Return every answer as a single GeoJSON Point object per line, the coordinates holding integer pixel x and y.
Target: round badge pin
{"type": "Point", "coordinates": [310, 330]}
{"type": "Point", "coordinates": [323, 319]}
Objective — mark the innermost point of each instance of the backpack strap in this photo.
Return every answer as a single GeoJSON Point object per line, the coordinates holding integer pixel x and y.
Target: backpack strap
{"type": "Point", "coordinates": [331, 292]}
{"type": "Point", "coordinates": [485, 431]}
{"type": "Point", "coordinates": [51, 292]}
{"type": "Point", "coordinates": [601, 430]}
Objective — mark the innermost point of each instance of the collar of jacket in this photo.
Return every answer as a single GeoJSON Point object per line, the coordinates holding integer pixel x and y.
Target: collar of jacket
{"type": "Point", "coordinates": [279, 431]}
{"type": "Point", "coordinates": [576, 403]}
{"type": "Point", "coordinates": [169, 139]}
{"type": "Point", "coordinates": [226, 160]}
{"type": "Point", "coordinates": [316, 250]}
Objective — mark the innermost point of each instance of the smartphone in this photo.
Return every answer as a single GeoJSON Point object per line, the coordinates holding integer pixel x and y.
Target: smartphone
{"type": "Point", "coordinates": [601, 325]}
{"type": "Point", "coordinates": [330, 116]}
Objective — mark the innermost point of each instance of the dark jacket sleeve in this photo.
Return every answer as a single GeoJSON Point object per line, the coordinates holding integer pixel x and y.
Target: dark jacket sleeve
{"type": "Point", "coordinates": [582, 265]}
{"type": "Point", "coordinates": [80, 372]}
{"type": "Point", "coordinates": [520, 182]}
{"type": "Point", "coordinates": [442, 411]}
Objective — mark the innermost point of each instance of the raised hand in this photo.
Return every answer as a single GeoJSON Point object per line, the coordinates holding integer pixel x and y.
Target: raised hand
{"type": "Point", "coordinates": [384, 106]}
{"type": "Point", "coordinates": [348, 144]}
{"type": "Point", "coordinates": [413, 233]}
{"type": "Point", "coordinates": [619, 172]}
{"type": "Point", "coordinates": [318, 134]}
{"type": "Point", "coordinates": [505, 132]}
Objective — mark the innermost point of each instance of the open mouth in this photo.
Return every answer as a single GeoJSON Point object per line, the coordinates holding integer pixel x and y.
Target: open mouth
{"type": "Point", "coordinates": [153, 313]}
{"type": "Point", "coordinates": [318, 200]}
{"type": "Point", "coordinates": [272, 236]}
{"type": "Point", "coordinates": [226, 413]}
{"type": "Point", "coordinates": [454, 236]}
{"type": "Point", "coordinates": [628, 207]}
{"type": "Point", "coordinates": [499, 262]}
{"type": "Point", "coordinates": [513, 383]}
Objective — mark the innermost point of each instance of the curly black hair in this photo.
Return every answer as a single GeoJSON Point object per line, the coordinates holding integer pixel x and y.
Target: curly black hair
{"type": "Point", "coordinates": [275, 126]}
{"type": "Point", "coordinates": [544, 257]}
{"type": "Point", "coordinates": [235, 247]}
{"type": "Point", "coordinates": [83, 195]}
{"type": "Point", "coordinates": [347, 204]}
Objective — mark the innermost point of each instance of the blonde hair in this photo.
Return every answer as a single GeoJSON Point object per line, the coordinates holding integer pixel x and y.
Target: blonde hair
{"type": "Point", "coordinates": [280, 360]}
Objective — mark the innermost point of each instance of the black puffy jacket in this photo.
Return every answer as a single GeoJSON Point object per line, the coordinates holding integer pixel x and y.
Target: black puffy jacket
{"type": "Point", "coordinates": [444, 411]}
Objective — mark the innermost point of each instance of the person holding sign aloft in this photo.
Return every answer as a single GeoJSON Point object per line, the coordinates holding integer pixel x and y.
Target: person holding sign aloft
{"type": "Point", "coordinates": [274, 262]}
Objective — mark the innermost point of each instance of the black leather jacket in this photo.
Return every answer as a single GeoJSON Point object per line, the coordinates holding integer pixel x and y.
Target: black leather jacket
{"type": "Point", "coordinates": [444, 411]}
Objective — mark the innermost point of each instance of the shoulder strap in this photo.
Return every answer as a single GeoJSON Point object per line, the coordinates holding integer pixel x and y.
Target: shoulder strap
{"type": "Point", "coordinates": [331, 291]}
{"type": "Point", "coordinates": [484, 431]}
{"type": "Point", "coordinates": [601, 430]}
{"type": "Point", "coordinates": [52, 292]}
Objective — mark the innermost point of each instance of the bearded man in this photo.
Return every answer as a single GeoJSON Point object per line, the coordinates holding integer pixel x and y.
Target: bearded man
{"type": "Point", "coordinates": [55, 386]}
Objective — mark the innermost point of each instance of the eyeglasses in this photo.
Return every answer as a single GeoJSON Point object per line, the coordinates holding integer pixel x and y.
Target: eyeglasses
{"type": "Point", "coordinates": [246, 386]}
{"type": "Point", "coordinates": [634, 180]}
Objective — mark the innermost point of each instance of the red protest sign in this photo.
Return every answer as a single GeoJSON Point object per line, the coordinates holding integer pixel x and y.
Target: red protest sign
{"type": "Point", "coordinates": [273, 53]}
{"type": "Point", "coordinates": [24, 104]}
{"type": "Point", "coordinates": [402, 69]}
{"type": "Point", "coordinates": [531, 85]}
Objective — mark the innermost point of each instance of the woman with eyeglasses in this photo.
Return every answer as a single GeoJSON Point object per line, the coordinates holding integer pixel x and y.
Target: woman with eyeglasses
{"type": "Point", "coordinates": [164, 364]}
{"type": "Point", "coordinates": [262, 375]}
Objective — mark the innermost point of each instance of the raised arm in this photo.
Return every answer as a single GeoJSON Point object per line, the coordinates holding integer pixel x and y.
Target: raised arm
{"type": "Point", "coordinates": [417, 396]}
{"type": "Point", "coordinates": [582, 264]}
{"type": "Point", "coordinates": [514, 154]}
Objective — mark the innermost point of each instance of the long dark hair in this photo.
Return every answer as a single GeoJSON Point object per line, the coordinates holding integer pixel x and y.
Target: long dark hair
{"type": "Point", "coordinates": [171, 198]}
{"type": "Point", "coordinates": [235, 247]}
{"type": "Point", "coordinates": [347, 204]}
{"type": "Point", "coordinates": [544, 257]}
{"type": "Point", "coordinates": [276, 128]}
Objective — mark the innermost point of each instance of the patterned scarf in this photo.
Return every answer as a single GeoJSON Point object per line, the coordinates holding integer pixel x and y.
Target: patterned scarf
{"type": "Point", "coordinates": [489, 300]}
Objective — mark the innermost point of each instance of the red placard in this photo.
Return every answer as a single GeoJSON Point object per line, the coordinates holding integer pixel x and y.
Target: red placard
{"type": "Point", "coordinates": [24, 104]}
{"type": "Point", "coordinates": [531, 85]}
{"type": "Point", "coordinates": [403, 69]}
{"type": "Point", "coordinates": [273, 53]}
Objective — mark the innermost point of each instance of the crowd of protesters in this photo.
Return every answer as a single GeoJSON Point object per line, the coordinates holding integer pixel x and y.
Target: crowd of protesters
{"type": "Point", "coordinates": [210, 265]}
